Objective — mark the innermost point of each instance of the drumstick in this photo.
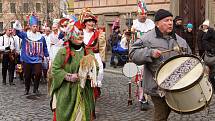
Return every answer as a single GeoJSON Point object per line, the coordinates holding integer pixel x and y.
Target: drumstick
{"type": "Point", "coordinates": [166, 51]}
{"type": "Point", "coordinates": [176, 48]}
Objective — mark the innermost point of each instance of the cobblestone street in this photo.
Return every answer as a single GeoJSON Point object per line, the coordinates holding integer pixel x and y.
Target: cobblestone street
{"type": "Point", "coordinates": [112, 106]}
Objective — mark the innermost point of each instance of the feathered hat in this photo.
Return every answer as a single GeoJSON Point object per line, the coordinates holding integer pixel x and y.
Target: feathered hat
{"type": "Point", "coordinates": [86, 15]}
{"type": "Point", "coordinates": [33, 20]}
{"type": "Point", "coordinates": [141, 7]}
{"type": "Point", "coordinates": [71, 27]}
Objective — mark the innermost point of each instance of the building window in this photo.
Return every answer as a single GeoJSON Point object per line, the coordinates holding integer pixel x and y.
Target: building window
{"type": "Point", "coordinates": [39, 23]}
{"type": "Point", "coordinates": [11, 24]}
{"type": "Point", "coordinates": [25, 5]}
{"type": "Point", "coordinates": [38, 7]}
{"type": "Point", "coordinates": [50, 7]}
{"type": "Point", "coordinates": [0, 7]}
{"type": "Point", "coordinates": [13, 7]}
{"type": "Point", "coordinates": [1, 26]}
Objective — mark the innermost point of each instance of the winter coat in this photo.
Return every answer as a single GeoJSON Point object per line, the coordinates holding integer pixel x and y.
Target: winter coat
{"type": "Point", "coordinates": [141, 53]}
{"type": "Point", "coordinates": [189, 37]}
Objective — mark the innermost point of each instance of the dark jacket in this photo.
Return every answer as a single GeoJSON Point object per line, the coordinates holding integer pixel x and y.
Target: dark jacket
{"type": "Point", "coordinates": [189, 37]}
{"type": "Point", "coordinates": [179, 30]}
{"type": "Point", "coordinates": [200, 35]}
{"type": "Point", "coordinates": [115, 37]}
{"type": "Point", "coordinates": [208, 41]}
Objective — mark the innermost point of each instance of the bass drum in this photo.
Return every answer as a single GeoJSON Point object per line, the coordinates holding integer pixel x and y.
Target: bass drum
{"type": "Point", "coordinates": [185, 82]}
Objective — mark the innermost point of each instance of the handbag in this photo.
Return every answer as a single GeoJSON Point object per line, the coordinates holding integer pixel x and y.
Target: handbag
{"type": "Point", "coordinates": [209, 59]}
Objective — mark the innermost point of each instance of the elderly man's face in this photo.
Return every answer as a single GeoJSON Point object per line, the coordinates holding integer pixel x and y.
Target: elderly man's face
{"type": "Point", "coordinates": [142, 17]}
{"type": "Point", "coordinates": [47, 31]}
{"type": "Point", "coordinates": [165, 25]}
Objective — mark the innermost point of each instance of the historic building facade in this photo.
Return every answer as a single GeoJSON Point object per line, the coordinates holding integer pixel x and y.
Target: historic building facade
{"type": "Point", "coordinates": [108, 10]}
{"type": "Point", "coordinates": [11, 10]}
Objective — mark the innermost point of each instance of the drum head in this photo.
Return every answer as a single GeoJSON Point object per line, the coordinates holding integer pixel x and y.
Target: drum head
{"type": "Point", "coordinates": [179, 72]}
{"type": "Point", "coordinates": [129, 69]}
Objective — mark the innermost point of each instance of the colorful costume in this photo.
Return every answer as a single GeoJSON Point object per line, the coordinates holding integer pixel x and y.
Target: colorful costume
{"type": "Point", "coordinates": [142, 27]}
{"type": "Point", "coordinates": [91, 40]}
{"type": "Point", "coordinates": [73, 101]}
{"type": "Point", "coordinates": [33, 49]}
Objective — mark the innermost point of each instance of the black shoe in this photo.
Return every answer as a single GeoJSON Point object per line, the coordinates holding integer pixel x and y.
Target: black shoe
{"type": "Point", "coordinates": [144, 105]}
{"type": "Point", "coordinates": [26, 92]}
{"type": "Point", "coordinates": [37, 92]}
{"type": "Point", "coordinates": [11, 83]}
{"type": "Point", "coordinates": [112, 63]}
{"type": "Point", "coordinates": [4, 83]}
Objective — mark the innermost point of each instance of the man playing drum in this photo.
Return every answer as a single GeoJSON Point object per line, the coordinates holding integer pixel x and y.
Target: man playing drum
{"type": "Point", "coordinates": [148, 51]}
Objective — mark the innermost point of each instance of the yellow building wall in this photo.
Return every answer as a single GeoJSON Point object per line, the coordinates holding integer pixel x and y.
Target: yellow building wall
{"type": "Point", "coordinates": [71, 6]}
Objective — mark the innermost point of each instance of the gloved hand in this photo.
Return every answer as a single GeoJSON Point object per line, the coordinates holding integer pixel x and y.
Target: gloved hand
{"type": "Point", "coordinates": [71, 77]}
{"type": "Point", "coordinates": [7, 48]}
{"type": "Point", "coordinates": [99, 84]}
{"type": "Point", "coordinates": [17, 25]}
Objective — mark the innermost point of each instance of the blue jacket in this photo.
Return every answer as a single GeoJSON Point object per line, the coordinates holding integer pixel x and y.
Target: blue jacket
{"type": "Point", "coordinates": [33, 47]}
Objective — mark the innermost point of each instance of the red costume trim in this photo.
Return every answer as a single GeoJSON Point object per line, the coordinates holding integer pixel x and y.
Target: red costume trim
{"type": "Point", "coordinates": [92, 39]}
{"type": "Point", "coordinates": [69, 53]}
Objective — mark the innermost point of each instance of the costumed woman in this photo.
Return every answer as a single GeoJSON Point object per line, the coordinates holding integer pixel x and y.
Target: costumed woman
{"type": "Point", "coordinates": [72, 100]}
{"type": "Point", "coordinates": [91, 41]}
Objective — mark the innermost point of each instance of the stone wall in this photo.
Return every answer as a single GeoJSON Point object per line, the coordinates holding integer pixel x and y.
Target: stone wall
{"type": "Point", "coordinates": [6, 17]}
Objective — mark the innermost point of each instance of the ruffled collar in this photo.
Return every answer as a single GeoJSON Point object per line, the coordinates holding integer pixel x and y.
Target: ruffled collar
{"type": "Point", "coordinates": [34, 36]}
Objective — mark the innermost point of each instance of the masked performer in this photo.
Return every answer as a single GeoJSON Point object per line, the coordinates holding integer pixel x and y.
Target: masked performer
{"type": "Point", "coordinates": [71, 88]}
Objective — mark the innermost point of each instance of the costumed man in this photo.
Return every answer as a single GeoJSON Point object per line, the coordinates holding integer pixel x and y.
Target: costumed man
{"type": "Point", "coordinates": [73, 98]}
{"type": "Point", "coordinates": [142, 25]}
{"type": "Point", "coordinates": [148, 51]}
{"type": "Point", "coordinates": [91, 40]}
{"type": "Point", "coordinates": [7, 48]}
{"type": "Point", "coordinates": [33, 49]}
